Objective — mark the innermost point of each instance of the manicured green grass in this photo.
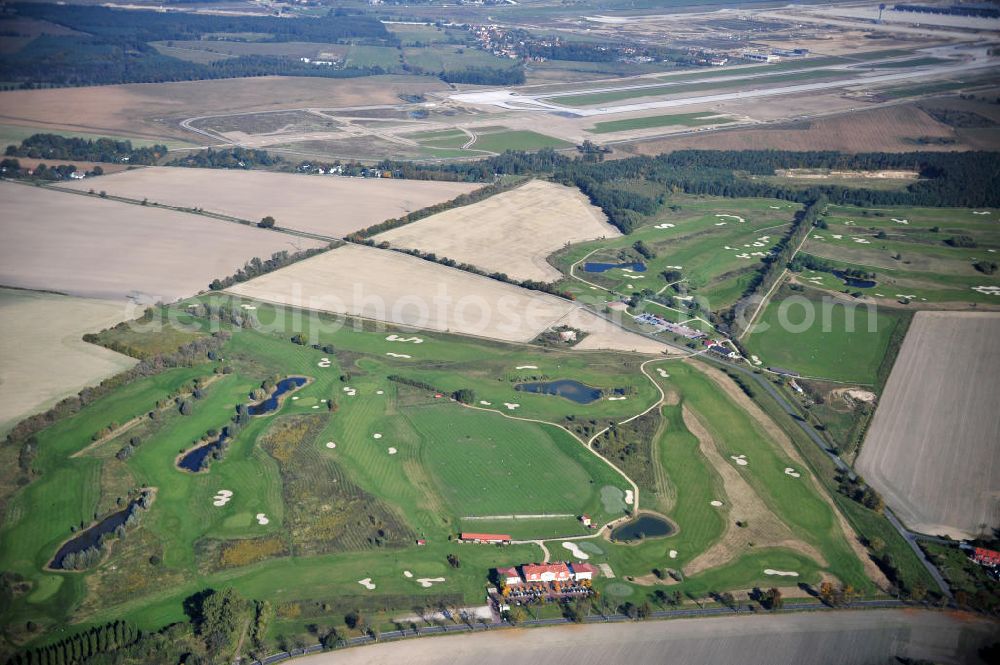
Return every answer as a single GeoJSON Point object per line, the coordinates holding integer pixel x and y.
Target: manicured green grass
{"type": "Point", "coordinates": [682, 119]}
{"type": "Point", "coordinates": [517, 140]}
{"type": "Point", "coordinates": [811, 334]}
{"type": "Point", "coordinates": [451, 58]}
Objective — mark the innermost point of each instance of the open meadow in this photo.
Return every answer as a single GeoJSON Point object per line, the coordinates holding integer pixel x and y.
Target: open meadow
{"type": "Point", "coordinates": [513, 232]}
{"type": "Point", "coordinates": [931, 447]}
{"type": "Point", "coordinates": [59, 241]}
{"type": "Point", "coordinates": [51, 360]}
{"type": "Point", "coordinates": [328, 206]}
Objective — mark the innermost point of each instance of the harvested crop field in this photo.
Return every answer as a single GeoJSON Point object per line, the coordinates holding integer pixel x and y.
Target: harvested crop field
{"type": "Point", "coordinates": [932, 446]}
{"type": "Point", "coordinates": [52, 361]}
{"type": "Point", "coordinates": [59, 241]}
{"type": "Point", "coordinates": [512, 232]}
{"type": "Point", "coordinates": [891, 129]}
{"type": "Point", "coordinates": [326, 205]}
{"type": "Point", "coordinates": [389, 286]}
{"type": "Point", "coordinates": [154, 109]}
{"type": "Point", "coordinates": [813, 638]}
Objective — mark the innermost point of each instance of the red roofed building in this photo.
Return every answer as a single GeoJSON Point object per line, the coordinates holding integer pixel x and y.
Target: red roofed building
{"type": "Point", "coordinates": [985, 557]}
{"type": "Point", "coordinates": [546, 572]}
{"type": "Point", "coordinates": [584, 571]}
{"type": "Point", "coordinates": [497, 538]}
{"type": "Point", "coordinates": [509, 576]}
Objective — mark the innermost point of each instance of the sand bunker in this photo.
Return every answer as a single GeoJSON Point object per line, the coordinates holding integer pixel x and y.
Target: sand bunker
{"type": "Point", "coordinates": [789, 471]}
{"type": "Point", "coordinates": [429, 581]}
{"type": "Point", "coordinates": [715, 503]}
{"type": "Point", "coordinates": [629, 497]}
{"type": "Point", "coordinates": [774, 207]}
{"type": "Point", "coordinates": [980, 212]}
{"type": "Point", "coordinates": [575, 550]}
{"type": "Point", "coordinates": [331, 445]}
{"type": "Point", "coordinates": [739, 459]}
{"type": "Point", "coordinates": [736, 217]}
{"type": "Point", "coordinates": [324, 362]}
{"type": "Point", "coordinates": [783, 573]}
{"type": "Point", "coordinates": [351, 392]}
{"type": "Point", "coordinates": [397, 355]}
{"type": "Point", "coordinates": [614, 399]}
{"type": "Point", "coordinates": [987, 290]}
{"type": "Point", "coordinates": [222, 497]}
{"type": "Point", "coordinates": [367, 583]}
{"type": "Point", "coordinates": [393, 451]}
{"type": "Point", "coordinates": [511, 406]}
{"type": "Point", "coordinates": [376, 435]}
{"type": "Point", "coordinates": [662, 372]}
{"type": "Point", "coordinates": [526, 367]}
{"type": "Point", "coordinates": [379, 392]}
{"type": "Point", "coordinates": [485, 403]}
{"type": "Point", "coordinates": [901, 221]}
{"type": "Point", "coordinates": [672, 554]}
{"type": "Point", "coordinates": [407, 573]}
{"type": "Point", "coordinates": [397, 338]}
{"type": "Point", "coordinates": [262, 519]}
{"type": "Point", "coordinates": [670, 226]}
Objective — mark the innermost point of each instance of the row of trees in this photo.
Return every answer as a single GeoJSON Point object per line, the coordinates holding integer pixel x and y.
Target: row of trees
{"type": "Point", "coordinates": [82, 646]}
{"type": "Point", "coordinates": [256, 267]}
{"type": "Point", "coordinates": [55, 146]}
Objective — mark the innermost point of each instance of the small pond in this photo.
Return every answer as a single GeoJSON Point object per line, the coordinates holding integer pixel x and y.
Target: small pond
{"type": "Point", "coordinates": [644, 526]}
{"type": "Point", "coordinates": [578, 392]}
{"type": "Point", "coordinates": [92, 536]}
{"type": "Point", "coordinates": [195, 459]}
{"type": "Point", "coordinates": [604, 267]}
{"type": "Point", "coordinates": [270, 404]}
{"type": "Point", "coordinates": [854, 281]}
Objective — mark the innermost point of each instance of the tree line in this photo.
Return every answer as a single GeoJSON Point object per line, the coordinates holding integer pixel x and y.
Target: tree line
{"type": "Point", "coordinates": [54, 146]}
{"type": "Point", "coordinates": [256, 266]}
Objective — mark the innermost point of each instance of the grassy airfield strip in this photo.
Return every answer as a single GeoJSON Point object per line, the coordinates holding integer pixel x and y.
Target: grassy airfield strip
{"type": "Point", "coordinates": [307, 520]}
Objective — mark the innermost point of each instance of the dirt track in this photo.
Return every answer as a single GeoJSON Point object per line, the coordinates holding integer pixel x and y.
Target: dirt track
{"type": "Point", "coordinates": [844, 638]}
{"type": "Point", "coordinates": [931, 449]}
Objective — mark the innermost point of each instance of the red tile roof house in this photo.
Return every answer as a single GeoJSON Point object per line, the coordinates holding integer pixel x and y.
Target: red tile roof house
{"type": "Point", "coordinates": [546, 572]}
{"type": "Point", "coordinates": [509, 576]}
{"type": "Point", "coordinates": [492, 538]}
{"type": "Point", "coordinates": [583, 571]}
{"type": "Point", "coordinates": [985, 557]}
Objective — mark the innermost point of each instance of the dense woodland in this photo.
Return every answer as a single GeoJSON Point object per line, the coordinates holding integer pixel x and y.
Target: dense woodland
{"type": "Point", "coordinates": [53, 146]}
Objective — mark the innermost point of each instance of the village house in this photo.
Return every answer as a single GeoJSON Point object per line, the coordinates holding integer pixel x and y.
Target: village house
{"type": "Point", "coordinates": [985, 557]}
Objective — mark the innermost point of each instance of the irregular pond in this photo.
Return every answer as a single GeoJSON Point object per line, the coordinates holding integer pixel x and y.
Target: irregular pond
{"type": "Point", "coordinates": [195, 459]}
{"type": "Point", "coordinates": [578, 392]}
{"type": "Point", "coordinates": [604, 267]}
{"type": "Point", "coordinates": [91, 537]}
{"type": "Point", "coordinates": [854, 281]}
{"type": "Point", "coordinates": [270, 404]}
{"type": "Point", "coordinates": [644, 526]}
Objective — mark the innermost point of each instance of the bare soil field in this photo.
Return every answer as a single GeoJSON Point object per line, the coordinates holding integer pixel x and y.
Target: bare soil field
{"type": "Point", "coordinates": [395, 288]}
{"type": "Point", "coordinates": [512, 232]}
{"type": "Point", "coordinates": [602, 334]}
{"type": "Point", "coordinates": [931, 449]}
{"type": "Point", "coordinates": [332, 206]}
{"type": "Point", "coordinates": [814, 638]}
{"type": "Point", "coordinates": [51, 360]}
{"type": "Point", "coordinates": [154, 109]}
{"type": "Point", "coordinates": [60, 241]}
{"type": "Point", "coordinates": [890, 129]}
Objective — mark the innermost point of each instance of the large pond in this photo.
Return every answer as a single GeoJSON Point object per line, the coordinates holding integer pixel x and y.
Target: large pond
{"type": "Point", "coordinates": [196, 459]}
{"type": "Point", "coordinates": [604, 267]}
{"type": "Point", "coordinates": [644, 526]}
{"type": "Point", "coordinates": [270, 404]}
{"type": "Point", "coordinates": [580, 393]}
{"type": "Point", "coordinates": [92, 536]}
{"type": "Point", "coordinates": [854, 281]}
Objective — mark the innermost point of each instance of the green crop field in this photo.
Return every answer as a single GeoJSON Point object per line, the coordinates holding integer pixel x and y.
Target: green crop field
{"type": "Point", "coordinates": [649, 122]}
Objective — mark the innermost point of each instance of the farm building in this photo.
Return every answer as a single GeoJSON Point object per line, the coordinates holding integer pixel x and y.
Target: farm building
{"type": "Point", "coordinates": [488, 538]}
{"type": "Point", "coordinates": [985, 557]}
{"type": "Point", "coordinates": [546, 572]}
{"type": "Point", "coordinates": [585, 519]}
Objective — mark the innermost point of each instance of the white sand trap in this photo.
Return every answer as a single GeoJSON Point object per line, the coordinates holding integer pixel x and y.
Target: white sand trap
{"type": "Point", "coordinates": [323, 401]}
{"type": "Point", "coordinates": [912, 295]}
{"type": "Point", "coordinates": [980, 212]}
{"type": "Point", "coordinates": [526, 367]}
{"type": "Point", "coordinates": [736, 217]}
{"type": "Point", "coordinates": [838, 236]}
{"type": "Point", "coordinates": [675, 267]}
{"type": "Point", "coordinates": [429, 581]}
{"type": "Point", "coordinates": [733, 249]}
{"type": "Point", "coordinates": [367, 583]}
{"type": "Point", "coordinates": [262, 519]}
{"type": "Point", "coordinates": [331, 445]}
{"type": "Point", "coordinates": [575, 550]}
{"type": "Point", "coordinates": [222, 497]}
{"type": "Point", "coordinates": [901, 221]}
{"type": "Point", "coordinates": [789, 471]}
{"type": "Point", "coordinates": [294, 397]}
{"type": "Point", "coordinates": [744, 255]}
{"type": "Point", "coordinates": [379, 392]}
{"type": "Point", "coordinates": [672, 554]}
{"type": "Point", "coordinates": [662, 372]}
{"type": "Point", "coordinates": [511, 406]}
{"type": "Point", "coordinates": [398, 355]}
{"type": "Point", "coordinates": [721, 223]}
{"type": "Point", "coordinates": [987, 290]}
{"type": "Point", "coordinates": [774, 207]}
{"type": "Point", "coordinates": [758, 244]}
{"type": "Point", "coordinates": [407, 573]}
{"type": "Point", "coordinates": [397, 338]}
{"type": "Point", "coordinates": [376, 435]}
{"type": "Point", "coordinates": [617, 399]}
{"type": "Point", "coordinates": [393, 451]}
{"type": "Point", "coordinates": [324, 362]}
{"type": "Point", "coordinates": [783, 573]}
{"type": "Point", "coordinates": [815, 237]}
{"type": "Point", "coordinates": [992, 251]}
{"type": "Point", "coordinates": [739, 459]}
{"type": "Point", "coordinates": [629, 497]}
{"type": "Point", "coordinates": [755, 360]}
{"type": "Point", "coordinates": [849, 222]}
{"type": "Point", "coordinates": [670, 226]}
{"type": "Point", "coordinates": [629, 286]}
{"type": "Point", "coordinates": [880, 295]}
{"type": "Point", "coordinates": [861, 241]}
{"type": "Point", "coordinates": [716, 503]}
{"type": "Point", "coordinates": [315, 406]}
{"type": "Point", "coordinates": [253, 307]}
{"type": "Point", "coordinates": [485, 403]}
